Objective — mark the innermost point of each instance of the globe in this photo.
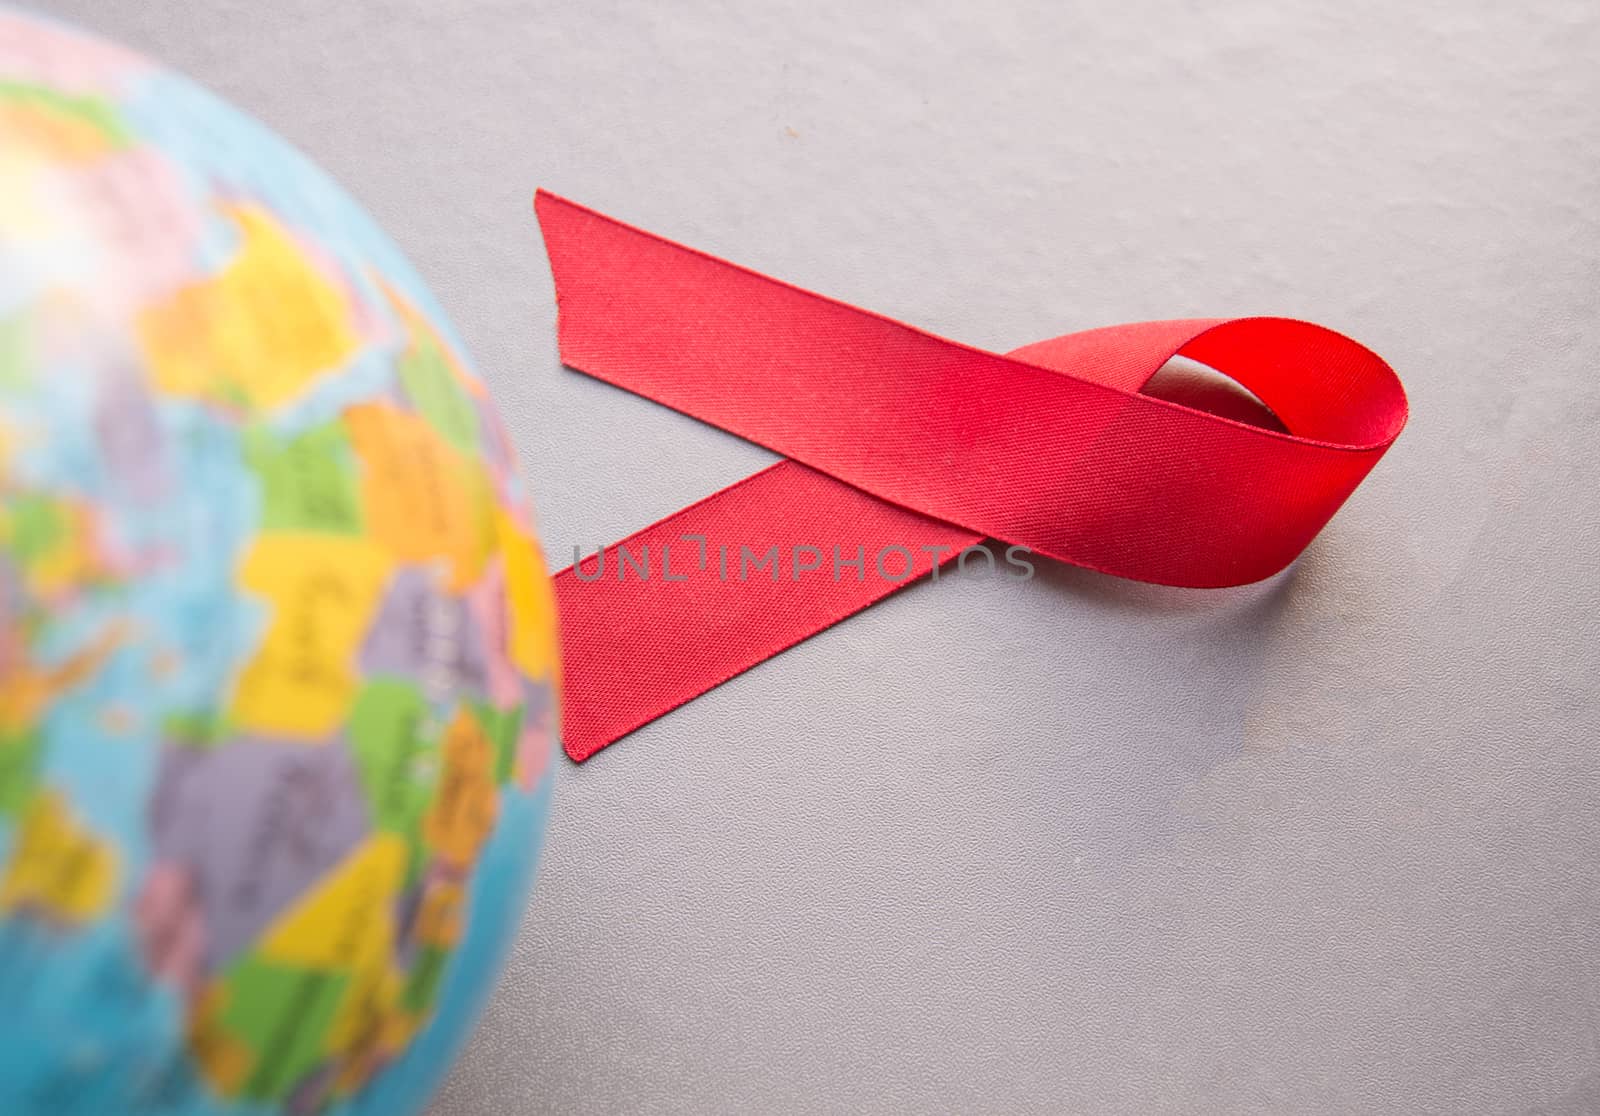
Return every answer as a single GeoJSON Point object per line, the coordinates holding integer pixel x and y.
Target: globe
{"type": "Point", "coordinates": [277, 650]}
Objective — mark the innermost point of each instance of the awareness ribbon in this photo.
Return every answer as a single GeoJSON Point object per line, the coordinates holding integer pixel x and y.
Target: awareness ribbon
{"type": "Point", "coordinates": [901, 443]}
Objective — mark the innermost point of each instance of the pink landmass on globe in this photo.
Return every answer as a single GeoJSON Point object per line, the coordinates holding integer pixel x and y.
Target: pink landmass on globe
{"type": "Point", "coordinates": [171, 927]}
{"type": "Point", "coordinates": [487, 600]}
{"type": "Point", "coordinates": [133, 203]}
{"type": "Point", "coordinates": [65, 60]}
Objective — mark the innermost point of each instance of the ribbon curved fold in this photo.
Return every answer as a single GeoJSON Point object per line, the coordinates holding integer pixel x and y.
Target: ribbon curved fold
{"type": "Point", "coordinates": [896, 438]}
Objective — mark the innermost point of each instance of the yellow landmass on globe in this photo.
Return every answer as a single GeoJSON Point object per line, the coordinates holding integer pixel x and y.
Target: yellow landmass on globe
{"type": "Point", "coordinates": [322, 590]}
{"type": "Point", "coordinates": [399, 1028]}
{"type": "Point", "coordinates": [347, 925]}
{"type": "Point", "coordinates": [27, 689]}
{"type": "Point", "coordinates": [423, 498]}
{"type": "Point", "coordinates": [224, 1060]}
{"type": "Point", "coordinates": [257, 334]}
{"type": "Point", "coordinates": [58, 868]}
{"type": "Point", "coordinates": [420, 328]}
{"type": "Point", "coordinates": [347, 921]}
{"type": "Point", "coordinates": [372, 995]}
{"type": "Point", "coordinates": [369, 1024]}
{"type": "Point", "coordinates": [442, 914]}
{"type": "Point", "coordinates": [75, 556]}
{"type": "Point", "coordinates": [532, 601]}
{"type": "Point", "coordinates": [55, 136]}
{"type": "Point", "coordinates": [463, 812]}
{"type": "Point", "coordinates": [26, 214]}
{"type": "Point", "coordinates": [54, 539]}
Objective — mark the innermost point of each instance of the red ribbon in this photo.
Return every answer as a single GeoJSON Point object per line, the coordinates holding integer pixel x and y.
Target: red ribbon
{"type": "Point", "coordinates": [898, 440]}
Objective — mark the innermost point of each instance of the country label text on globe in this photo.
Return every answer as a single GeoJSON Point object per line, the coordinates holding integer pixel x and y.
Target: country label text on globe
{"type": "Point", "coordinates": [277, 649]}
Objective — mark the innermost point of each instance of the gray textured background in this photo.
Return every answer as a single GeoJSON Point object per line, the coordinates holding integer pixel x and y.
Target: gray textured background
{"type": "Point", "coordinates": [1330, 843]}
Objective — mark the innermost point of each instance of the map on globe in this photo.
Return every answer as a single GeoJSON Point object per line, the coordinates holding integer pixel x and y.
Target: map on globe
{"type": "Point", "coordinates": [276, 644]}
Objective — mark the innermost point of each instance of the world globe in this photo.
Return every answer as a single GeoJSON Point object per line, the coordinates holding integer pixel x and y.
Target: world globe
{"type": "Point", "coordinates": [277, 653]}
